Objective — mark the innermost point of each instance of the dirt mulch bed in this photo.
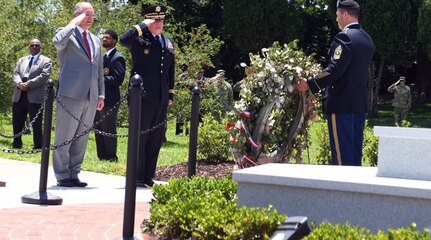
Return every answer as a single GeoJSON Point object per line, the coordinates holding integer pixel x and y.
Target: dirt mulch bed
{"type": "Point", "coordinates": [215, 170]}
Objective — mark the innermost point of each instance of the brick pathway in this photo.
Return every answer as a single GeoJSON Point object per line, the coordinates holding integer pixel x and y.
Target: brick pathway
{"type": "Point", "coordinates": [80, 221]}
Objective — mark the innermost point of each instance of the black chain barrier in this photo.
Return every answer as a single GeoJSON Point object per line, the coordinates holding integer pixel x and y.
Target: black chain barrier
{"type": "Point", "coordinates": [93, 127]}
{"type": "Point", "coordinates": [89, 128]}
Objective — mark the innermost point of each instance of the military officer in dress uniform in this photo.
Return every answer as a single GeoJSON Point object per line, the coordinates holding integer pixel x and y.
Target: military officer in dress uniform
{"type": "Point", "coordinates": [402, 100]}
{"type": "Point", "coordinates": [345, 83]}
{"type": "Point", "coordinates": [153, 59]}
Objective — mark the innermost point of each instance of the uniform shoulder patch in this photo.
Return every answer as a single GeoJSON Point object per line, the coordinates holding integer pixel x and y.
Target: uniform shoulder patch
{"type": "Point", "coordinates": [337, 53]}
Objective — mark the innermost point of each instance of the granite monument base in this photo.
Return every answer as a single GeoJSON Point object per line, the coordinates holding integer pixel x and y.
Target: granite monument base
{"type": "Point", "coordinates": [337, 194]}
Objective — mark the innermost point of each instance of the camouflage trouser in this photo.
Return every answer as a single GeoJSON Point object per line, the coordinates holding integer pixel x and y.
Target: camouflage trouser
{"type": "Point", "coordinates": [400, 114]}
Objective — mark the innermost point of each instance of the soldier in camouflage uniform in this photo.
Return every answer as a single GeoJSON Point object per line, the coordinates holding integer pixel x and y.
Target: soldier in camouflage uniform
{"type": "Point", "coordinates": [402, 100]}
{"type": "Point", "coordinates": [224, 91]}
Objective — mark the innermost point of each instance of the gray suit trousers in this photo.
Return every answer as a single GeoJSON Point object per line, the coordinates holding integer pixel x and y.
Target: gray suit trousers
{"type": "Point", "coordinates": [67, 160]}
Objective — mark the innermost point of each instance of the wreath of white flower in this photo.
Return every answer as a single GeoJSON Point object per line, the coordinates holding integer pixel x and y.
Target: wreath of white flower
{"type": "Point", "coordinates": [266, 120]}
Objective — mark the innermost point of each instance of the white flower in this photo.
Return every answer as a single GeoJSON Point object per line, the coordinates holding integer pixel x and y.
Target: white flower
{"type": "Point", "coordinates": [298, 70]}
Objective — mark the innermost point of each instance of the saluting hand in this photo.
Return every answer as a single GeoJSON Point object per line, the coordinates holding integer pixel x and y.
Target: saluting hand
{"type": "Point", "coordinates": [78, 19]}
{"type": "Point", "coordinates": [148, 22]}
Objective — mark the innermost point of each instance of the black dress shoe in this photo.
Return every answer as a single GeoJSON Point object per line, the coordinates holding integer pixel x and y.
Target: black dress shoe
{"type": "Point", "coordinates": [66, 182]}
{"type": "Point", "coordinates": [77, 183]}
{"type": "Point", "coordinates": [149, 182]}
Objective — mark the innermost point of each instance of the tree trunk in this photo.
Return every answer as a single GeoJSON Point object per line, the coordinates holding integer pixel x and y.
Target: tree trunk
{"type": "Point", "coordinates": [423, 75]}
{"type": "Point", "coordinates": [371, 77]}
{"type": "Point", "coordinates": [373, 111]}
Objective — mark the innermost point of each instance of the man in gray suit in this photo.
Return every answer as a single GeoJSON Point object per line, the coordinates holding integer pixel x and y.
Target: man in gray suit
{"type": "Point", "coordinates": [80, 89]}
{"type": "Point", "coordinates": [30, 76]}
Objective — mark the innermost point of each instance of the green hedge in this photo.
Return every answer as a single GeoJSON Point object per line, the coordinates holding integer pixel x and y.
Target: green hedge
{"type": "Point", "coordinates": [346, 231]}
{"type": "Point", "coordinates": [205, 208]}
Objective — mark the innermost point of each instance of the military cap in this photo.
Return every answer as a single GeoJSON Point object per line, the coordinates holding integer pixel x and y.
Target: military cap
{"type": "Point", "coordinates": [348, 4]}
{"type": "Point", "coordinates": [154, 12]}
{"type": "Point", "coordinates": [402, 78]}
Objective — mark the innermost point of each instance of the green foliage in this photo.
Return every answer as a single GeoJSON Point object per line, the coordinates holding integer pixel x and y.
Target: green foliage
{"type": "Point", "coordinates": [424, 20]}
{"type": "Point", "coordinates": [396, 40]}
{"type": "Point", "coordinates": [196, 50]}
{"type": "Point", "coordinates": [346, 231]}
{"type": "Point", "coordinates": [322, 140]}
{"type": "Point", "coordinates": [205, 208]}
{"type": "Point", "coordinates": [370, 146]}
{"type": "Point", "coordinates": [213, 139]}
{"type": "Point", "coordinates": [255, 24]}
{"type": "Point", "coordinates": [337, 231]}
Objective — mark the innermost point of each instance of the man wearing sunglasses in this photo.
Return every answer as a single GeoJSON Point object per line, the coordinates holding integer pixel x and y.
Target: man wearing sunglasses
{"type": "Point", "coordinates": [30, 76]}
{"type": "Point", "coordinates": [344, 84]}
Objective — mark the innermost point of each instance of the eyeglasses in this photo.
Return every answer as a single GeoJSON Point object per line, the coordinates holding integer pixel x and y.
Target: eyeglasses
{"type": "Point", "coordinates": [34, 45]}
{"type": "Point", "coordinates": [90, 15]}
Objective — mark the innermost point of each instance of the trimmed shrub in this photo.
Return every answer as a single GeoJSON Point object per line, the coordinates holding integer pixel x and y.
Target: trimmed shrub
{"type": "Point", "coordinates": [336, 231]}
{"type": "Point", "coordinates": [213, 140]}
{"type": "Point", "coordinates": [205, 208]}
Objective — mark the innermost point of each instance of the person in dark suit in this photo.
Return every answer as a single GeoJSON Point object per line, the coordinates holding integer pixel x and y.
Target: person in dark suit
{"type": "Point", "coordinates": [345, 82]}
{"type": "Point", "coordinates": [80, 89]}
{"type": "Point", "coordinates": [114, 69]}
{"type": "Point", "coordinates": [30, 76]}
{"type": "Point", "coordinates": [153, 59]}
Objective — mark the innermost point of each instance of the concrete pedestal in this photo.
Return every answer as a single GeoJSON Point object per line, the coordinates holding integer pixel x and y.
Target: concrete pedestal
{"type": "Point", "coordinates": [337, 194]}
{"type": "Point", "coordinates": [404, 152]}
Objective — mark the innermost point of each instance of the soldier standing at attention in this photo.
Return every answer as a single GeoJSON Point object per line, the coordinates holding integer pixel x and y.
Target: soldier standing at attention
{"type": "Point", "coordinates": [402, 100]}
{"type": "Point", "coordinates": [345, 82]}
{"type": "Point", "coordinates": [153, 59]}
{"type": "Point", "coordinates": [114, 69]}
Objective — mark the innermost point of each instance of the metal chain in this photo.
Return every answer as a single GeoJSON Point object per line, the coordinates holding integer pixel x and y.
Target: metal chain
{"type": "Point", "coordinates": [93, 127]}
{"type": "Point", "coordinates": [30, 124]}
{"type": "Point", "coordinates": [89, 129]}
{"type": "Point", "coordinates": [19, 151]}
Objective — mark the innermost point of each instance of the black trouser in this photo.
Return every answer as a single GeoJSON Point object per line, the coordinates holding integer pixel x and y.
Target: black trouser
{"type": "Point", "coordinates": [20, 110]}
{"type": "Point", "coordinates": [106, 146]}
{"type": "Point", "coordinates": [152, 113]}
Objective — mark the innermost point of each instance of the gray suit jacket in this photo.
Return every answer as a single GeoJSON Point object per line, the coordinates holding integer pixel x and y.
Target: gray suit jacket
{"type": "Point", "coordinates": [38, 76]}
{"type": "Point", "coordinates": [78, 75]}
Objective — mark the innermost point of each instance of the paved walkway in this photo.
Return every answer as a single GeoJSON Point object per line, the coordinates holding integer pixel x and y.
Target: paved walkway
{"type": "Point", "coordinates": [94, 212]}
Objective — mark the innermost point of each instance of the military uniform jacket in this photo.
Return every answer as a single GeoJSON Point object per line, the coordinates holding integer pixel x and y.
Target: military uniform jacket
{"type": "Point", "coordinates": [154, 64]}
{"type": "Point", "coordinates": [402, 96]}
{"type": "Point", "coordinates": [114, 69]}
{"type": "Point", "coordinates": [346, 76]}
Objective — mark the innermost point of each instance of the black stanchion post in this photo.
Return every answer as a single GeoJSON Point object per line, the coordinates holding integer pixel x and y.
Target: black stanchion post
{"type": "Point", "coordinates": [132, 156]}
{"type": "Point", "coordinates": [194, 125]}
{"type": "Point", "coordinates": [42, 197]}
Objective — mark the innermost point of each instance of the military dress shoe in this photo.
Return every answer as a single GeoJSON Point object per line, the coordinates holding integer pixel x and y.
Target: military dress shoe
{"type": "Point", "coordinates": [77, 183]}
{"type": "Point", "coordinates": [66, 182]}
{"type": "Point", "coordinates": [149, 182]}
{"type": "Point", "coordinates": [145, 184]}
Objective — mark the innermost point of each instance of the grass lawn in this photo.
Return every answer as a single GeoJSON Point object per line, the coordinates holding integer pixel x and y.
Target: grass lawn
{"type": "Point", "coordinates": [175, 150]}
